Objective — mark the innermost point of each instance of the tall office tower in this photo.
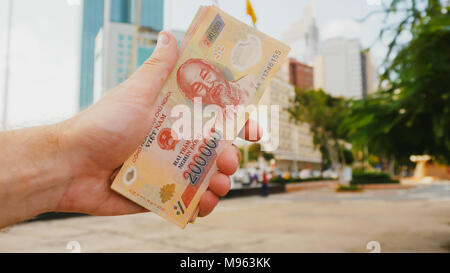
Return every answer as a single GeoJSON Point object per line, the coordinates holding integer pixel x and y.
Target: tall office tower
{"type": "Point", "coordinates": [340, 68]}
{"type": "Point", "coordinates": [150, 18]}
{"type": "Point", "coordinates": [303, 36]}
{"type": "Point", "coordinates": [92, 22]}
{"type": "Point", "coordinates": [370, 74]}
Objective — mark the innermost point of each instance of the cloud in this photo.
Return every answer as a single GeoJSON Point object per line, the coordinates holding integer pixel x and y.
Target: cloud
{"type": "Point", "coordinates": [347, 28]}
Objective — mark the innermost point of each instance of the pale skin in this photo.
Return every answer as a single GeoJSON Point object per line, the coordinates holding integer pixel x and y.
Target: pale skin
{"type": "Point", "coordinates": [69, 166]}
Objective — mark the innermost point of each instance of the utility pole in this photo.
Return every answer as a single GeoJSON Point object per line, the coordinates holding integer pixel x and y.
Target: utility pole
{"type": "Point", "coordinates": [6, 82]}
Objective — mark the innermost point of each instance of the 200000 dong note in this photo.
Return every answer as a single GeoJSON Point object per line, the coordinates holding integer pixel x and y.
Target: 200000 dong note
{"type": "Point", "coordinates": [223, 68]}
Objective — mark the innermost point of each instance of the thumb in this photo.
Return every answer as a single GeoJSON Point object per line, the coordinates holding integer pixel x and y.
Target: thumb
{"type": "Point", "coordinates": [147, 81]}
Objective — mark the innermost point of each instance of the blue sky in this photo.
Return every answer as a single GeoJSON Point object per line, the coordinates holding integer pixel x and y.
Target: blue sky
{"type": "Point", "coordinates": [46, 44]}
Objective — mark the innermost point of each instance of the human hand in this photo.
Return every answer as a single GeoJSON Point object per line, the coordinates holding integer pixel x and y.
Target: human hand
{"type": "Point", "coordinates": [98, 140]}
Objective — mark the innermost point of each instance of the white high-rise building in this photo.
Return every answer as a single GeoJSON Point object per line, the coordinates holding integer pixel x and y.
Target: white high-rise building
{"type": "Point", "coordinates": [303, 36]}
{"type": "Point", "coordinates": [340, 68]}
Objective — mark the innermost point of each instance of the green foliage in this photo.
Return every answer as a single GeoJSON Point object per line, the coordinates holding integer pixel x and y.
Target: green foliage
{"type": "Point", "coordinates": [351, 188]}
{"type": "Point", "coordinates": [348, 155]}
{"type": "Point", "coordinates": [254, 151]}
{"type": "Point", "coordinates": [321, 111]}
{"type": "Point", "coordinates": [282, 180]}
{"type": "Point", "coordinates": [373, 160]}
{"type": "Point", "coordinates": [411, 112]}
{"type": "Point", "coordinates": [371, 177]}
{"type": "Point", "coordinates": [326, 162]}
{"type": "Point", "coordinates": [241, 164]}
{"type": "Point", "coordinates": [267, 156]}
{"type": "Point", "coordinates": [324, 114]}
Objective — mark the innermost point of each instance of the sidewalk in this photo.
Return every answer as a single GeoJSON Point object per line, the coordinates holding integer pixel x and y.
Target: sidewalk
{"type": "Point", "coordinates": [314, 220]}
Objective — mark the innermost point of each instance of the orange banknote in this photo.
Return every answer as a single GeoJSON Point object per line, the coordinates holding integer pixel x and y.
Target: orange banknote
{"type": "Point", "coordinates": [223, 67]}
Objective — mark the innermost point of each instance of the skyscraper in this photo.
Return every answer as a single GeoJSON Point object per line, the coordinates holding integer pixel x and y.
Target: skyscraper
{"type": "Point", "coordinates": [370, 74]}
{"type": "Point", "coordinates": [340, 68]}
{"type": "Point", "coordinates": [92, 22]}
{"type": "Point", "coordinates": [303, 36]}
{"type": "Point", "coordinates": [119, 11]}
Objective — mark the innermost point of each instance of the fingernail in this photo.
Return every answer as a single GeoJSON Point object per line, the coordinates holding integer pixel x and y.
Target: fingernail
{"type": "Point", "coordinates": [163, 40]}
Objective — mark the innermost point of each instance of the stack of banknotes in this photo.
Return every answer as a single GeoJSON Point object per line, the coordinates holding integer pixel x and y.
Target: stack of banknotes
{"type": "Point", "coordinates": [223, 68]}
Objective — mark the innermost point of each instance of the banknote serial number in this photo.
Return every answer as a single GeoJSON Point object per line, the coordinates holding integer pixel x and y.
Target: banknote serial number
{"type": "Point", "coordinates": [227, 262]}
{"type": "Point", "coordinates": [273, 59]}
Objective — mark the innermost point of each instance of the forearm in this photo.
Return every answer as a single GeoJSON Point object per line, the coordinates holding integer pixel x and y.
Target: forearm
{"type": "Point", "coordinates": [33, 172]}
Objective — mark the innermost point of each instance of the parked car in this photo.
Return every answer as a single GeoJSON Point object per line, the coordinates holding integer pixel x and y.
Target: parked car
{"type": "Point", "coordinates": [295, 174]}
{"type": "Point", "coordinates": [305, 173]}
{"type": "Point", "coordinates": [316, 173]}
{"type": "Point", "coordinates": [232, 182]}
{"type": "Point", "coordinates": [277, 173]}
{"type": "Point", "coordinates": [330, 173]}
{"type": "Point", "coordinates": [242, 176]}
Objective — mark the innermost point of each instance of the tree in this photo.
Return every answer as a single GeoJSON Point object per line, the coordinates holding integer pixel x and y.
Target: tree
{"type": "Point", "coordinates": [323, 113]}
{"type": "Point", "coordinates": [254, 152]}
{"type": "Point", "coordinates": [410, 114]}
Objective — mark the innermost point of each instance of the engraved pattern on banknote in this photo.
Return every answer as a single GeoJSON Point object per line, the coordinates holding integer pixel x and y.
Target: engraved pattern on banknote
{"type": "Point", "coordinates": [130, 175]}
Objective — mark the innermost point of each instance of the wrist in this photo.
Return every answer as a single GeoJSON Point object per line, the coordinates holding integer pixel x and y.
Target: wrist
{"type": "Point", "coordinates": [53, 170]}
{"type": "Point", "coordinates": [62, 163]}
{"type": "Point", "coordinates": [36, 173]}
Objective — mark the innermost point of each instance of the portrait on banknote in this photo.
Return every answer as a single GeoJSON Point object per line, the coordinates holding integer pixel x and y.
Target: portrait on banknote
{"type": "Point", "coordinates": [200, 78]}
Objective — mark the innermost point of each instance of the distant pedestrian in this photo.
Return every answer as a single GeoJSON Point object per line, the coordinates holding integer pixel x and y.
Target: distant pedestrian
{"type": "Point", "coordinates": [265, 184]}
{"type": "Point", "coordinates": [255, 177]}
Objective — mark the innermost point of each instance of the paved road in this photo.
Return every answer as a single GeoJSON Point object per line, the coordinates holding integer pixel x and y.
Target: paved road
{"type": "Point", "coordinates": [320, 220]}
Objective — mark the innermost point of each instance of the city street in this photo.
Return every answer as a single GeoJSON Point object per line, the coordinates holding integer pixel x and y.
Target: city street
{"type": "Point", "coordinates": [315, 220]}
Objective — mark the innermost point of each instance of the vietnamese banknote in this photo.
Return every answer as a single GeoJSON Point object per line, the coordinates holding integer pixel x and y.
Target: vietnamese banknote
{"type": "Point", "coordinates": [224, 66]}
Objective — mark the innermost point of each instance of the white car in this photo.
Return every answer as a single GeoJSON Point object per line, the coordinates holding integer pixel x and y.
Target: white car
{"type": "Point", "coordinates": [330, 174]}
{"type": "Point", "coordinates": [305, 174]}
{"type": "Point", "coordinates": [295, 174]}
{"type": "Point", "coordinates": [316, 173]}
{"type": "Point", "coordinates": [242, 176]}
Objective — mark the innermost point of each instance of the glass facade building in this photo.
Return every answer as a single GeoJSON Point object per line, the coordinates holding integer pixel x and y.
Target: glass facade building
{"type": "Point", "coordinates": [92, 22]}
{"type": "Point", "coordinates": [121, 11]}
